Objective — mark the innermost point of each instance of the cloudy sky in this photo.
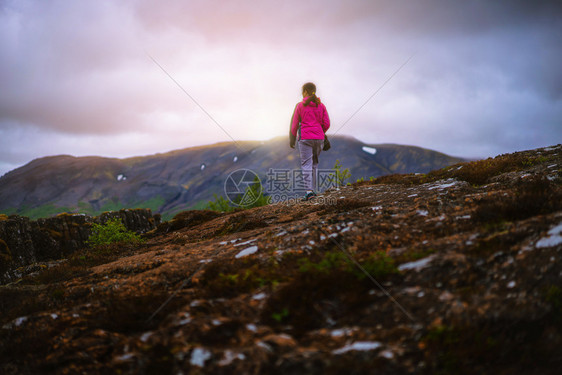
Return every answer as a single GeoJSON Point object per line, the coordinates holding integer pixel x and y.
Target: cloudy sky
{"type": "Point", "coordinates": [472, 78]}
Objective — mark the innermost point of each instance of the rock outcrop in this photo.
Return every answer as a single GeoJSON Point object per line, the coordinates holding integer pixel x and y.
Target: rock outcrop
{"type": "Point", "coordinates": [24, 241]}
{"type": "Point", "coordinates": [455, 271]}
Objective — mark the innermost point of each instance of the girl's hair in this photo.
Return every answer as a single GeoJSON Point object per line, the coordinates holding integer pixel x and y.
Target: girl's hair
{"type": "Point", "coordinates": [310, 88]}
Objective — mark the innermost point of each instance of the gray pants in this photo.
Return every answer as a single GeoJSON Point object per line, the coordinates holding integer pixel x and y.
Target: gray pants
{"type": "Point", "coordinates": [309, 150]}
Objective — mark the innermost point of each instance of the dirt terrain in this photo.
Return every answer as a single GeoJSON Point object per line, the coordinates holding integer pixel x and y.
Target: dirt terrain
{"type": "Point", "coordinates": [454, 271]}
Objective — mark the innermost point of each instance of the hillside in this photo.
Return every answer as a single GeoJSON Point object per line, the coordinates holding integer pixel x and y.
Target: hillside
{"type": "Point", "coordinates": [453, 272]}
{"type": "Point", "coordinates": [172, 182]}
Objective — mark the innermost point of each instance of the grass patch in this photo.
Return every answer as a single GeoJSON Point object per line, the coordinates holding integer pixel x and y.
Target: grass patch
{"type": "Point", "coordinates": [311, 299]}
{"type": "Point", "coordinates": [111, 232]}
{"type": "Point", "coordinates": [475, 173]}
{"type": "Point", "coordinates": [533, 196]}
{"type": "Point", "coordinates": [414, 254]}
{"type": "Point", "coordinates": [35, 213]}
{"type": "Point", "coordinates": [378, 265]}
{"type": "Point", "coordinates": [153, 203]}
{"type": "Point", "coordinates": [252, 197]}
{"type": "Point", "coordinates": [341, 174]}
{"type": "Point", "coordinates": [86, 208]}
{"type": "Point", "coordinates": [112, 204]}
{"type": "Point", "coordinates": [231, 278]}
{"type": "Point", "coordinates": [326, 287]}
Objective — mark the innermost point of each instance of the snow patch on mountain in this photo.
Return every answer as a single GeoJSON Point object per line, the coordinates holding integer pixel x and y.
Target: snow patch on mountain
{"type": "Point", "coordinates": [369, 150]}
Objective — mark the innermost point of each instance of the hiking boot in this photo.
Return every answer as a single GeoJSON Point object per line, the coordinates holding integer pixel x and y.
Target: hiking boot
{"type": "Point", "coordinates": [308, 196]}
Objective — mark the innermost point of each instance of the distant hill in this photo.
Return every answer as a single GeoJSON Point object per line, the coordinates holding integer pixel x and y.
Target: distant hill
{"type": "Point", "coordinates": [171, 182]}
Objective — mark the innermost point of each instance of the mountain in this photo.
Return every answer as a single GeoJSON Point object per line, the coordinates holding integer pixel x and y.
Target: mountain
{"type": "Point", "coordinates": [453, 272]}
{"type": "Point", "coordinates": [174, 181]}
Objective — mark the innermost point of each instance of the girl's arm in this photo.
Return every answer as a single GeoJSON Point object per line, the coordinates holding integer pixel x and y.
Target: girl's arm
{"type": "Point", "coordinates": [325, 120]}
{"type": "Point", "coordinates": [294, 127]}
{"type": "Point", "coordinates": [295, 121]}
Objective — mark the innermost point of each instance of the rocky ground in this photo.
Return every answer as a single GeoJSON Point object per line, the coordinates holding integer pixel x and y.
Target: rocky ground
{"type": "Point", "coordinates": [456, 271]}
{"type": "Point", "coordinates": [26, 244]}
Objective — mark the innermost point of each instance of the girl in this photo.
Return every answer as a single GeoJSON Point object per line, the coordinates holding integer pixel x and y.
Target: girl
{"type": "Point", "coordinates": [311, 119]}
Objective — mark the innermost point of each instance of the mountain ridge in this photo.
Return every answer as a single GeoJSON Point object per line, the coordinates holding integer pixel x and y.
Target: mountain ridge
{"type": "Point", "coordinates": [170, 182]}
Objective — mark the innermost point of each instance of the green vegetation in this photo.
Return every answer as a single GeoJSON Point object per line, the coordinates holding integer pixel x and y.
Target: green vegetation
{"type": "Point", "coordinates": [496, 214]}
{"type": "Point", "coordinates": [279, 316]}
{"type": "Point", "coordinates": [252, 194]}
{"type": "Point", "coordinates": [330, 261]}
{"type": "Point", "coordinates": [154, 203]}
{"type": "Point", "coordinates": [169, 215]}
{"type": "Point", "coordinates": [200, 205]}
{"type": "Point", "coordinates": [45, 210]}
{"type": "Point", "coordinates": [378, 265]}
{"type": "Point", "coordinates": [111, 232]}
{"type": "Point", "coordinates": [476, 173]}
{"type": "Point", "coordinates": [112, 204]}
{"type": "Point", "coordinates": [533, 196]}
{"type": "Point", "coordinates": [323, 278]}
{"type": "Point", "coordinates": [230, 278]}
{"type": "Point", "coordinates": [296, 281]}
{"type": "Point", "coordinates": [220, 204]}
{"type": "Point", "coordinates": [413, 254]}
{"type": "Point", "coordinates": [10, 211]}
{"type": "Point", "coordinates": [244, 275]}
{"type": "Point", "coordinates": [341, 174]}
{"type": "Point", "coordinates": [255, 190]}
{"type": "Point", "coordinates": [86, 208]}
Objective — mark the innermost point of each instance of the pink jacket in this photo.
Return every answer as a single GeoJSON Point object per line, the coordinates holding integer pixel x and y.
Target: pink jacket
{"type": "Point", "coordinates": [313, 119]}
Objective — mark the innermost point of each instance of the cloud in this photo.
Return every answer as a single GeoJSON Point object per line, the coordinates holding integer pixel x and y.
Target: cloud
{"type": "Point", "coordinates": [77, 76]}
